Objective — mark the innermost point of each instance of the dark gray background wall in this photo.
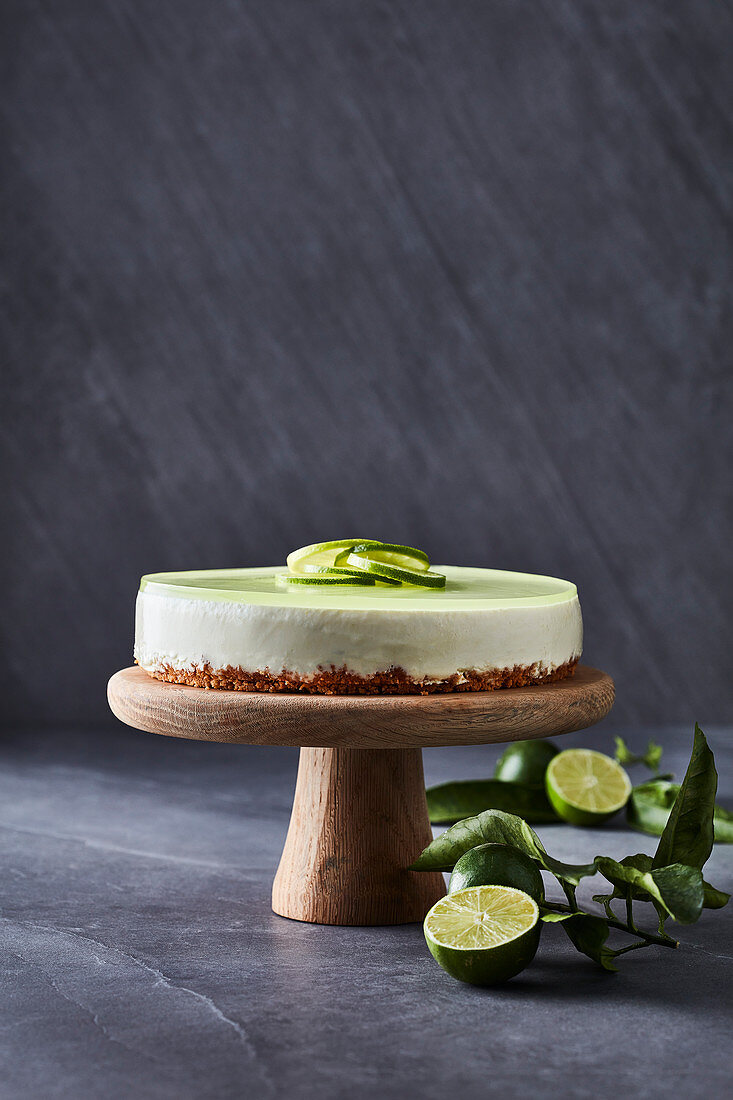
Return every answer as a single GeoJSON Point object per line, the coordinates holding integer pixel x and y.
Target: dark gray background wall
{"type": "Point", "coordinates": [450, 273]}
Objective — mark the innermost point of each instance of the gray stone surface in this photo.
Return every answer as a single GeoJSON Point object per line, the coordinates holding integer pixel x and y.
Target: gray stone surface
{"type": "Point", "coordinates": [141, 958]}
{"type": "Point", "coordinates": [450, 273]}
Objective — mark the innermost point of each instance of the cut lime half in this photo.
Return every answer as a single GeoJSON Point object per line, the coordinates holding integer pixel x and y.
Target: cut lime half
{"type": "Point", "coordinates": [586, 787]}
{"type": "Point", "coordinates": [483, 934]}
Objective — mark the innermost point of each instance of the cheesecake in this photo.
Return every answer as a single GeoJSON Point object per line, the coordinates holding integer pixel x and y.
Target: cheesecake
{"type": "Point", "coordinates": [246, 630]}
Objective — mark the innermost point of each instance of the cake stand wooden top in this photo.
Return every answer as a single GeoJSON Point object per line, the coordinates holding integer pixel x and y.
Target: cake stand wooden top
{"type": "Point", "coordinates": [361, 721]}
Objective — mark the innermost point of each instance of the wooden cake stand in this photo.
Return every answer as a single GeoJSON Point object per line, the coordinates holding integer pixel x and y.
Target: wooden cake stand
{"type": "Point", "coordinates": [359, 815]}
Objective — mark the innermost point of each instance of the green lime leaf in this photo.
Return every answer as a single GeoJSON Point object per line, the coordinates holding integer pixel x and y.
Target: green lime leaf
{"type": "Point", "coordinates": [712, 898]}
{"type": "Point", "coordinates": [623, 753]}
{"type": "Point", "coordinates": [642, 863]}
{"type": "Point", "coordinates": [651, 758]}
{"type": "Point", "coordinates": [571, 873]}
{"type": "Point", "coordinates": [688, 835]}
{"type": "Point", "coordinates": [491, 826]}
{"type": "Point", "coordinates": [722, 825]}
{"type": "Point", "coordinates": [451, 802]}
{"type": "Point", "coordinates": [588, 934]}
{"type": "Point", "coordinates": [649, 807]}
{"type": "Point", "coordinates": [496, 827]}
{"type": "Point", "coordinates": [674, 891]}
{"type": "Point", "coordinates": [677, 890]}
{"type": "Point", "coordinates": [650, 804]}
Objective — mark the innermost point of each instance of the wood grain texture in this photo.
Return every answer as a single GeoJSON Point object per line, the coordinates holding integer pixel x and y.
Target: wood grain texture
{"type": "Point", "coordinates": [450, 274]}
{"type": "Point", "coordinates": [359, 819]}
{"type": "Point", "coordinates": [369, 721]}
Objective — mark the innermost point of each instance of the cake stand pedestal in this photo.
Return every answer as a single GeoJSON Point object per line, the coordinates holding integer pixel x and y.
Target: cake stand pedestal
{"type": "Point", "coordinates": [359, 814]}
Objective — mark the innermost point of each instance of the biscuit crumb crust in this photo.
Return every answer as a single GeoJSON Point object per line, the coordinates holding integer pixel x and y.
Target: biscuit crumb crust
{"type": "Point", "coordinates": [340, 681]}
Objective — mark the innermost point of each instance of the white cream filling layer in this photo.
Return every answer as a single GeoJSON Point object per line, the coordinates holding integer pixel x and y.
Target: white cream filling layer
{"type": "Point", "coordinates": [428, 645]}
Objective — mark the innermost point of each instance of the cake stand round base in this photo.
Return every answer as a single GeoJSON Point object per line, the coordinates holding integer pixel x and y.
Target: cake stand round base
{"type": "Point", "coordinates": [359, 815]}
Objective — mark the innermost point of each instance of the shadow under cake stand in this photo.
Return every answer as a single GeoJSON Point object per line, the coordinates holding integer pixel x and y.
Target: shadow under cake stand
{"type": "Point", "coordinates": [359, 814]}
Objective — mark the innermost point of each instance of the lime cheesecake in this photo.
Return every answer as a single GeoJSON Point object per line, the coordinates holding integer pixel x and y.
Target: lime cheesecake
{"type": "Point", "coordinates": [317, 628]}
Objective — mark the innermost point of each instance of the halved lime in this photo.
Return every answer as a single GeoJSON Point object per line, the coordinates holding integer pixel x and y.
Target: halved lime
{"type": "Point", "coordinates": [319, 553]}
{"type": "Point", "coordinates": [390, 553]}
{"type": "Point", "coordinates": [286, 579]}
{"type": "Point", "coordinates": [424, 578]}
{"type": "Point", "coordinates": [525, 762]}
{"type": "Point", "coordinates": [483, 934]}
{"type": "Point", "coordinates": [586, 787]}
{"type": "Point", "coordinates": [497, 865]}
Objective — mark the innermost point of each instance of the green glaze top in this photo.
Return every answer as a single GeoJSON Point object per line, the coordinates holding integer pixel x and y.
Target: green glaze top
{"type": "Point", "coordinates": [466, 589]}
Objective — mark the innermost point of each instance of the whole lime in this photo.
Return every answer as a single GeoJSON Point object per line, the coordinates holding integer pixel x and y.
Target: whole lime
{"type": "Point", "coordinates": [497, 865]}
{"type": "Point", "coordinates": [525, 762]}
{"type": "Point", "coordinates": [484, 934]}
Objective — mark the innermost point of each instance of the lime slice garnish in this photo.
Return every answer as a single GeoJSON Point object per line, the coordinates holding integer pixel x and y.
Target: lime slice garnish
{"type": "Point", "coordinates": [320, 553]}
{"type": "Point", "coordinates": [340, 570]}
{"type": "Point", "coordinates": [424, 578]}
{"type": "Point", "coordinates": [483, 934]}
{"type": "Point", "coordinates": [403, 557]}
{"type": "Point", "coordinates": [324, 553]}
{"type": "Point", "coordinates": [330, 570]}
{"type": "Point", "coordinates": [373, 561]}
{"type": "Point", "coordinates": [586, 787]}
{"type": "Point", "coordinates": [318, 579]}
{"type": "Point", "coordinates": [327, 553]}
